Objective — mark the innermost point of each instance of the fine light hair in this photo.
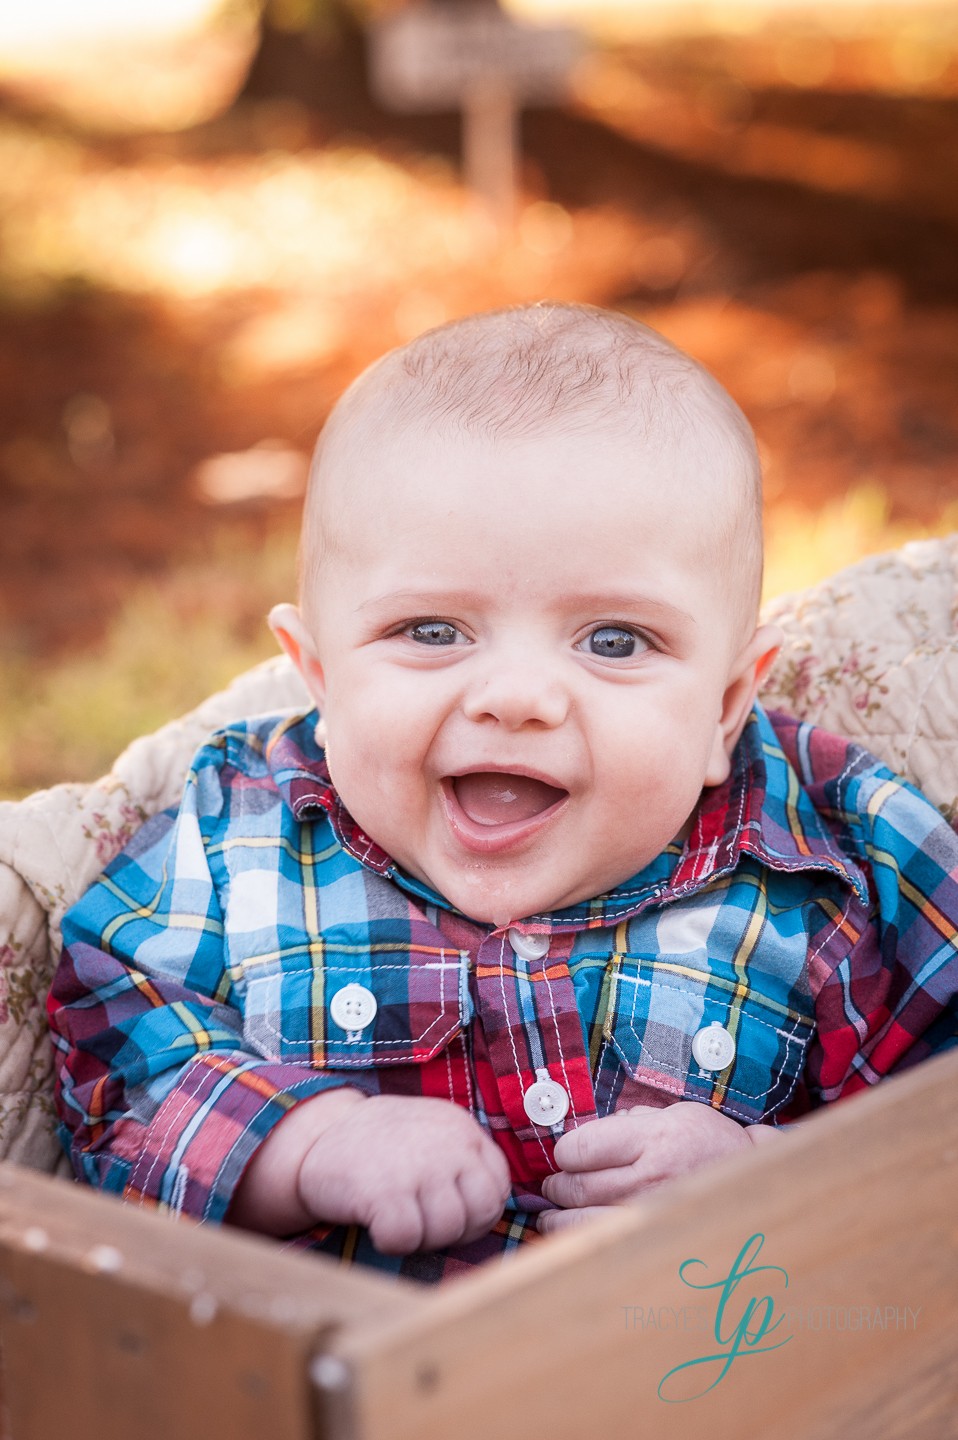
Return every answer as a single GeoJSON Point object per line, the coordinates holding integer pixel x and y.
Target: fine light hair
{"type": "Point", "coordinates": [556, 368]}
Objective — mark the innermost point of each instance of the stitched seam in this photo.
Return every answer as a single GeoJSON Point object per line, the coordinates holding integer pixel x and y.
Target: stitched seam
{"type": "Point", "coordinates": [266, 1027]}
{"type": "Point", "coordinates": [185, 1096]}
{"type": "Point", "coordinates": [836, 926]}
{"type": "Point", "coordinates": [558, 1036]}
{"type": "Point", "coordinates": [512, 1040]}
{"type": "Point", "coordinates": [790, 1039]}
{"type": "Point", "coordinates": [754, 996]}
{"type": "Point", "coordinates": [789, 1036]}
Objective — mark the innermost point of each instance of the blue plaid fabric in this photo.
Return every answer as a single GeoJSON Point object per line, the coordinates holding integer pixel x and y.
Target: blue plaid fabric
{"type": "Point", "coordinates": [811, 914]}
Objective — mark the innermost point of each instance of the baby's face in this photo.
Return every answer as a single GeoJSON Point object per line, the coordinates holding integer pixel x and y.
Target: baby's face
{"type": "Point", "coordinates": [525, 653]}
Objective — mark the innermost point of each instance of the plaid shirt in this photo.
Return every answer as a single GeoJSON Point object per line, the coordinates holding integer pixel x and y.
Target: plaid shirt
{"type": "Point", "coordinates": [811, 913]}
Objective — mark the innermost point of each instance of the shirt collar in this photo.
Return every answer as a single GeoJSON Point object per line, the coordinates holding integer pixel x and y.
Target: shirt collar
{"type": "Point", "coordinates": [297, 764]}
{"type": "Point", "coordinates": [761, 810]}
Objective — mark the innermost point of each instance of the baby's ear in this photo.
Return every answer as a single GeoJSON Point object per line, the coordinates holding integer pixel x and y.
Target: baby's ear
{"type": "Point", "coordinates": [749, 670]}
{"type": "Point", "coordinates": [290, 629]}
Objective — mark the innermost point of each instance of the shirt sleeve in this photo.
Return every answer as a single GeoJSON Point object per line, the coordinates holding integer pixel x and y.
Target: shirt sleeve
{"type": "Point", "coordinates": [158, 1097]}
{"type": "Point", "coordinates": [893, 998]}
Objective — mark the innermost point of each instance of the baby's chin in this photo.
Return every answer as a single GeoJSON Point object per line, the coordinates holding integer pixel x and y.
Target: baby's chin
{"type": "Point", "coordinates": [491, 892]}
{"type": "Point", "coordinates": [501, 907]}
{"type": "Point", "coordinates": [493, 905]}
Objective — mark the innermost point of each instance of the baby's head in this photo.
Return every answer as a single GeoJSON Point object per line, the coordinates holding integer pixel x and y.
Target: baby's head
{"type": "Point", "coordinates": [530, 566]}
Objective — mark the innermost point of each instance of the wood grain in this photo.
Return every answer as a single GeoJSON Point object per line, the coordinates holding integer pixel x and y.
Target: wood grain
{"type": "Point", "coordinates": [118, 1322]}
{"type": "Point", "coordinates": [857, 1204]}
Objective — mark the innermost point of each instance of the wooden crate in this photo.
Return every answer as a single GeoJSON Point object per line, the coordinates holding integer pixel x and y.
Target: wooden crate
{"type": "Point", "coordinates": [117, 1322]}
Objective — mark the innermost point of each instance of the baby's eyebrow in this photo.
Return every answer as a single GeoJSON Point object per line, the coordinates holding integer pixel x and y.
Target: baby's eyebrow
{"type": "Point", "coordinates": [602, 604]}
{"type": "Point", "coordinates": [621, 603]}
{"type": "Point", "coordinates": [420, 599]}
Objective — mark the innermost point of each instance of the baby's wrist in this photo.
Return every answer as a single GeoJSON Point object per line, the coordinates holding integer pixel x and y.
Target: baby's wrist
{"type": "Point", "coordinates": [340, 1102]}
{"type": "Point", "coordinates": [268, 1197]}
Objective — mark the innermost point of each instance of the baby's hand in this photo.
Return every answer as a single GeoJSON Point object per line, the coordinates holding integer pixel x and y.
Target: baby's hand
{"type": "Point", "coordinates": [420, 1173]}
{"type": "Point", "coordinates": [613, 1160]}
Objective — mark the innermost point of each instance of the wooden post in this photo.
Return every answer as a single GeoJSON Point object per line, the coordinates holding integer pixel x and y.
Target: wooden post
{"type": "Point", "coordinates": [490, 145]}
{"type": "Point", "coordinates": [474, 58]}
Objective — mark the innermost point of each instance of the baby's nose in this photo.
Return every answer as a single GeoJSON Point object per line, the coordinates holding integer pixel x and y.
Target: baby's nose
{"type": "Point", "coordinates": [516, 694]}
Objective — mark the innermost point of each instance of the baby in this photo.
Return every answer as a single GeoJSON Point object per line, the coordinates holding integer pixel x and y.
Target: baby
{"type": "Point", "coordinates": [545, 910]}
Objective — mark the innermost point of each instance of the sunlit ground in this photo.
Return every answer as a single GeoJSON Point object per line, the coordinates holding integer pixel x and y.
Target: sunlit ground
{"type": "Point", "coordinates": [29, 28]}
{"type": "Point", "coordinates": [312, 222]}
{"type": "Point", "coordinates": [121, 64]}
{"type": "Point", "coordinates": [638, 18]}
{"type": "Point", "coordinates": [298, 257]}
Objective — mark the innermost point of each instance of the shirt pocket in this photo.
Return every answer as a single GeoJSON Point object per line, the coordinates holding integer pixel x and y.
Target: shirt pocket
{"type": "Point", "coordinates": [344, 1012]}
{"type": "Point", "coordinates": [659, 1004]}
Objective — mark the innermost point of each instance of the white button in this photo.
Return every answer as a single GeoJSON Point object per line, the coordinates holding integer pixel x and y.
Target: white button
{"type": "Point", "coordinates": [353, 1007]}
{"type": "Point", "coordinates": [528, 947]}
{"type": "Point", "coordinates": [545, 1102]}
{"type": "Point", "coordinates": [713, 1047]}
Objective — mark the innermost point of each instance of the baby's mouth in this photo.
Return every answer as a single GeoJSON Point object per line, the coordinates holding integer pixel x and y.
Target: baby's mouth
{"type": "Point", "coordinates": [488, 797]}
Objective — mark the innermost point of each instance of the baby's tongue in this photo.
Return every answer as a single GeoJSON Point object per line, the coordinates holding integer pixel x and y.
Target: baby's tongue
{"type": "Point", "coordinates": [492, 799]}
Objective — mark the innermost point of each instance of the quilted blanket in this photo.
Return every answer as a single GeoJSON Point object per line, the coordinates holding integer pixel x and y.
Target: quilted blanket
{"type": "Point", "coordinates": [871, 653]}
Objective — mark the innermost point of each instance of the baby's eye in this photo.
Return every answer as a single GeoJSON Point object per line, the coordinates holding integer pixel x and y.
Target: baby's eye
{"type": "Point", "coordinates": [434, 632]}
{"type": "Point", "coordinates": [613, 642]}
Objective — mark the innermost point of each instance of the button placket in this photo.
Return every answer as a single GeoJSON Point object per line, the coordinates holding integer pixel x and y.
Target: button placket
{"type": "Point", "coordinates": [530, 1023]}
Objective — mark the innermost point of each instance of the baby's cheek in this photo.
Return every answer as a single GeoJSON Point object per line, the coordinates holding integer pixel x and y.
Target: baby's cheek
{"type": "Point", "coordinates": [365, 748]}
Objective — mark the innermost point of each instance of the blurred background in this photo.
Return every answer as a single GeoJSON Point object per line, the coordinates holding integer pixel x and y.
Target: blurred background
{"type": "Point", "coordinates": [208, 225]}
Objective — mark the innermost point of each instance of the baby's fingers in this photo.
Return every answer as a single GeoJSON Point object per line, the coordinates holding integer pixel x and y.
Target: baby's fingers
{"type": "Point", "coordinates": [591, 1187]}
{"type": "Point", "coordinates": [464, 1207]}
{"type": "Point", "coordinates": [598, 1144]}
{"type": "Point", "coordinates": [397, 1225]}
{"type": "Point", "coordinates": [552, 1220]}
{"type": "Point", "coordinates": [444, 1214]}
{"type": "Point", "coordinates": [484, 1195]}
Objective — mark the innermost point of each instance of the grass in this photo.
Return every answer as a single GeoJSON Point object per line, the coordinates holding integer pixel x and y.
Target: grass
{"type": "Point", "coordinates": [178, 639]}
{"type": "Point", "coordinates": [804, 547]}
